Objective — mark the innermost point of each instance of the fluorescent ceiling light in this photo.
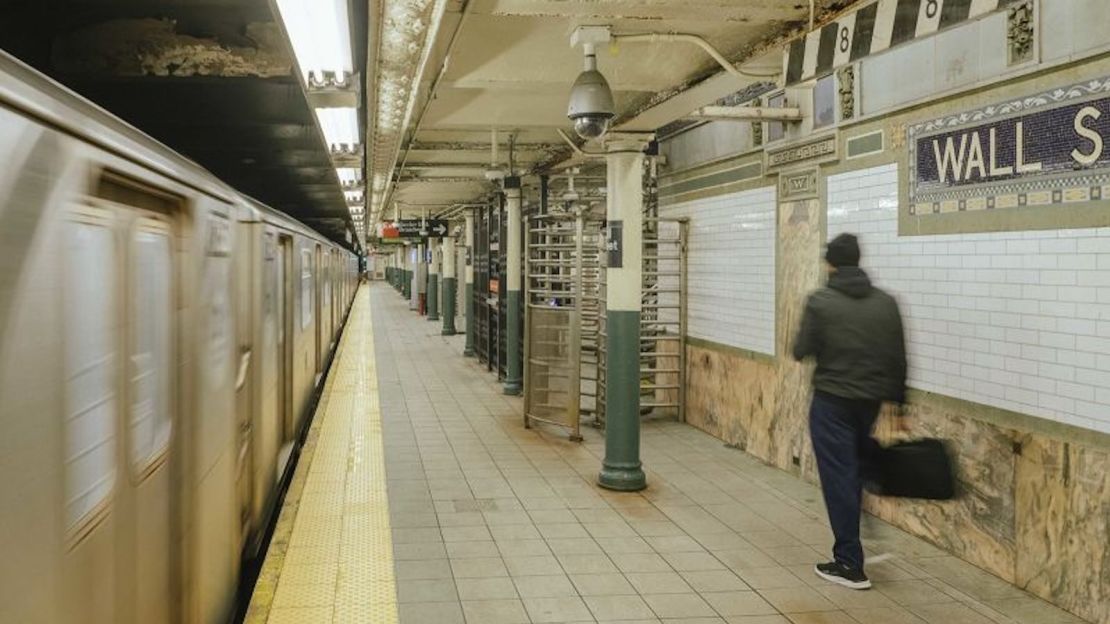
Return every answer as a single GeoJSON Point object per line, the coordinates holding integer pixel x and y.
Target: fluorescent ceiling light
{"type": "Point", "coordinates": [349, 175]}
{"type": "Point", "coordinates": [340, 125]}
{"type": "Point", "coordinates": [320, 32]}
{"type": "Point", "coordinates": [353, 197]}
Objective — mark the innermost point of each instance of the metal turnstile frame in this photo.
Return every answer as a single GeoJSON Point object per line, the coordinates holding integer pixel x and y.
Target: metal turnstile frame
{"type": "Point", "coordinates": [557, 268]}
{"type": "Point", "coordinates": [653, 332]}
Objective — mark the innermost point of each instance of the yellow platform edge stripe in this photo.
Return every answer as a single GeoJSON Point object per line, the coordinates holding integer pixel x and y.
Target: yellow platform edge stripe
{"type": "Point", "coordinates": [335, 513]}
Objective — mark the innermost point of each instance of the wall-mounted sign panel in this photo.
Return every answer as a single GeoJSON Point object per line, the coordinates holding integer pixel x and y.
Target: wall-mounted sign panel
{"type": "Point", "coordinates": [797, 185]}
{"type": "Point", "coordinates": [416, 228]}
{"type": "Point", "coordinates": [614, 244]}
{"type": "Point", "coordinates": [1032, 163]}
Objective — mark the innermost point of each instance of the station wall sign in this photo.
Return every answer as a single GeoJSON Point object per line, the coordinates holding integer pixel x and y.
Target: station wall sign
{"type": "Point", "coordinates": [416, 228]}
{"type": "Point", "coordinates": [614, 245]}
{"type": "Point", "coordinates": [1037, 162]}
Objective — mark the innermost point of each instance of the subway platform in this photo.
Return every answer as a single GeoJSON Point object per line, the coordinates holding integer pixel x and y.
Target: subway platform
{"type": "Point", "coordinates": [420, 498]}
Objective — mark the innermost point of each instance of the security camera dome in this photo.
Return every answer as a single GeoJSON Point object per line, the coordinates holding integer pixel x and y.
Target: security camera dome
{"type": "Point", "coordinates": [591, 102]}
{"type": "Point", "coordinates": [591, 126]}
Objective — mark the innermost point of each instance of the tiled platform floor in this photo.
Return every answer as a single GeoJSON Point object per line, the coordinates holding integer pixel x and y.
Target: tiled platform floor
{"type": "Point", "coordinates": [496, 524]}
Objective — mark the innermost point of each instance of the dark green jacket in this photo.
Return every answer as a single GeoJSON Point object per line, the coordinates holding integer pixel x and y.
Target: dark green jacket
{"type": "Point", "coordinates": [855, 332]}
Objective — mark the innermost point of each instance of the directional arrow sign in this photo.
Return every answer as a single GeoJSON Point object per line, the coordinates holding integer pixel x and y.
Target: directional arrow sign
{"type": "Point", "coordinates": [417, 228]}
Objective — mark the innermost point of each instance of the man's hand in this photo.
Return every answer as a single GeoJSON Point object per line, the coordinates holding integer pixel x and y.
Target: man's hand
{"type": "Point", "coordinates": [897, 413]}
{"type": "Point", "coordinates": [901, 418]}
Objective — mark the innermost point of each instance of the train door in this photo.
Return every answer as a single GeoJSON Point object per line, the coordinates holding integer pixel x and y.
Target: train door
{"type": "Point", "coordinates": [321, 345]}
{"type": "Point", "coordinates": [336, 295]}
{"type": "Point", "coordinates": [269, 435]}
{"type": "Point", "coordinates": [245, 266]}
{"type": "Point", "coordinates": [325, 302]}
{"type": "Point", "coordinates": [284, 350]}
{"type": "Point", "coordinates": [121, 341]}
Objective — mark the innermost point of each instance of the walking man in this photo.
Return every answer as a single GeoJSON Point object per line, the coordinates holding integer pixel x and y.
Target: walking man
{"type": "Point", "coordinates": [854, 330]}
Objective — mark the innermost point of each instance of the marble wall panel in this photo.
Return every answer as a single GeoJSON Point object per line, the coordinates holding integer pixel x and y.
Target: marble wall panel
{"type": "Point", "coordinates": [801, 231]}
{"type": "Point", "coordinates": [731, 397]}
{"type": "Point", "coordinates": [1063, 525]}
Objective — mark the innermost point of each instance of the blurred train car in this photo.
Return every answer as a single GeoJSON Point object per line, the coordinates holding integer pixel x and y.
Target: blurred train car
{"type": "Point", "coordinates": [161, 337]}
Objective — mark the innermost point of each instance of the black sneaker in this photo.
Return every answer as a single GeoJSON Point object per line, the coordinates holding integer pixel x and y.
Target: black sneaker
{"type": "Point", "coordinates": [842, 575]}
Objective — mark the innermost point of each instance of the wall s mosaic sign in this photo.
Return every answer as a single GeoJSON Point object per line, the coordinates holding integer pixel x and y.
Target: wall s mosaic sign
{"type": "Point", "coordinates": [1049, 150]}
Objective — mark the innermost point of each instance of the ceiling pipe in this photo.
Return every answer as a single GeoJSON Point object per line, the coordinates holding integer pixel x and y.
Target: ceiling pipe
{"type": "Point", "coordinates": [493, 148]}
{"type": "Point", "coordinates": [746, 113]}
{"type": "Point", "coordinates": [698, 41]}
{"type": "Point", "coordinates": [455, 209]}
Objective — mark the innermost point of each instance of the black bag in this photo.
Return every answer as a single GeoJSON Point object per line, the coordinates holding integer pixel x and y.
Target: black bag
{"type": "Point", "coordinates": [916, 469]}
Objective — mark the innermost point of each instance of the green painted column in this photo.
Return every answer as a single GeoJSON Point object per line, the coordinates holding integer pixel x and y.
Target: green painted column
{"type": "Point", "coordinates": [514, 382]}
{"type": "Point", "coordinates": [433, 280]}
{"type": "Point", "coordinates": [468, 288]}
{"type": "Point", "coordinates": [621, 469]}
{"type": "Point", "coordinates": [449, 286]}
{"type": "Point", "coordinates": [398, 267]}
{"type": "Point", "coordinates": [419, 276]}
{"type": "Point", "coordinates": [406, 273]}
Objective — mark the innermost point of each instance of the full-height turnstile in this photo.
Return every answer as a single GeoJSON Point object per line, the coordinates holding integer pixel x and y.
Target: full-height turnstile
{"type": "Point", "coordinates": [662, 322]}
{"type": "Point", "coordinates": [561, 312]}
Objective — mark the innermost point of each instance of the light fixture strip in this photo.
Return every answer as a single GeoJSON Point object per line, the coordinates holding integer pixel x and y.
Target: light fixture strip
{"type": "Point", "coordinates": [349, 176]}
{"type": "Point", "coordinates": [340, 126]}
{"type": "Point", "coordinates": [320, 33]}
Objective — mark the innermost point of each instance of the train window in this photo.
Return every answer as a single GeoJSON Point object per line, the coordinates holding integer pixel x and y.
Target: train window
{"type": "Point", "coordinates": [306, 287]}
{"type": "Point", "coordinates": [125, 191]}
{"type": "Point", "coordinates": [151, 361]}
{"type": "Point", "coordinates": [90, 371]}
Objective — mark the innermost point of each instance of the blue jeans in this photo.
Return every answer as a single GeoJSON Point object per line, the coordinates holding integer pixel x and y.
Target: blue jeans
{"type": "Point", "coordinates": [845, 451]}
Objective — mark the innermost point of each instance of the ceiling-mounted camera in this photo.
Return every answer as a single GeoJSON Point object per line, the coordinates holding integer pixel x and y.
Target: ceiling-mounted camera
{"type": "Point", "coordinates": [591, 100]}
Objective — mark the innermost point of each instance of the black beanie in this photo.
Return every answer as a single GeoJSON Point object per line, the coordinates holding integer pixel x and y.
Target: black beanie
{"type": "Point", "coordinates": [843, 251]}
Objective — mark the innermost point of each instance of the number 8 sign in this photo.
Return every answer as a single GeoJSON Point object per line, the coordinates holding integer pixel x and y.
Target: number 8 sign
{"type": "Point", "coordinates": [845, 31]}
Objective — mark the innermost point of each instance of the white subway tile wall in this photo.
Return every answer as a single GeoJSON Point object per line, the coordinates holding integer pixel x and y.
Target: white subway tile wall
{"type": "Point", "coordinates": [731, 264]}
{"type": "Point", "coordinates": [1016, 320]}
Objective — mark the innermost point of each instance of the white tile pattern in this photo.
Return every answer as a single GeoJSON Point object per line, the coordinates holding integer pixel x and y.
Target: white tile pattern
{"type": "Point", "coordinates": [1017, 320]}
{"type": "Point", "coordinates": [731, 263]}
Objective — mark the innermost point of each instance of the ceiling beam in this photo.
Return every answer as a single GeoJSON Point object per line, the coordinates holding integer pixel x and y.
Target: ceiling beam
{"type": "Point", "coordinates": [476, 146]}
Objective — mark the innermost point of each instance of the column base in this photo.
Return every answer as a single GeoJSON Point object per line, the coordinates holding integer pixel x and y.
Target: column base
{"type": "Point", "coordinates": [449, 332]}
{"type": "Point", "coordinates": [433, 316]}
{"type": "Point", "coordinates": [622, 478]}
{"type": "Point", "coordinates": [469, 352]}
{"type": "Point", "coordinates": [512, 388]}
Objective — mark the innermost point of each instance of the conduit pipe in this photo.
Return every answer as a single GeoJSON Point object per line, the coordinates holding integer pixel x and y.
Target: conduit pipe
{"type": "Point", "coordinates": [746, 113]}
{"type": "Point", "coordinates": [695, 40]}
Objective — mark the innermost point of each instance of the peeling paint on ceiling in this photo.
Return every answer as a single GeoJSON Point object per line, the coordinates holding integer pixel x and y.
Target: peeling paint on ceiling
{"type": "Point", "coordinates": [153, 47]}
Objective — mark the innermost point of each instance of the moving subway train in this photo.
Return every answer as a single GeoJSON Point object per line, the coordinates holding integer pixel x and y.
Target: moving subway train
{"type": "Point", "coordinates": [161, 337]}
